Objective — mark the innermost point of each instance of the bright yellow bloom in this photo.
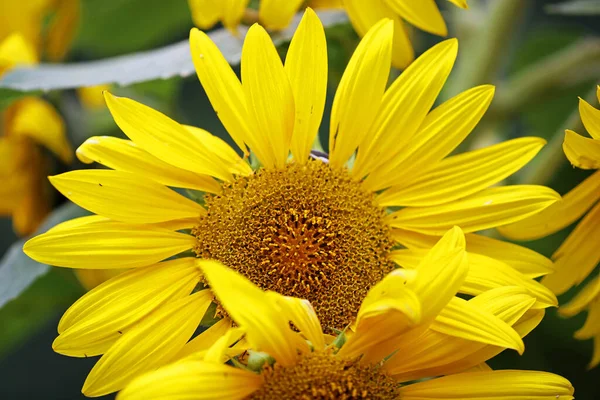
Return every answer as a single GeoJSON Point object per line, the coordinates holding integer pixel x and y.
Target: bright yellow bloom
{"type": "Point", "coordinates": [277, 15]}
{"type": "Point", "coordinates": [31, 121]}
{"type": "Point", "coordinates": [312, 225]}
{"type": "Point", "coordinates": [577, 257]}
{"type": "Point", "coordinates": [405, 313]}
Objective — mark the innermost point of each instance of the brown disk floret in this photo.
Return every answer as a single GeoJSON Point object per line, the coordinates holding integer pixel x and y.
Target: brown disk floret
{"type": "Point", "coordinates": [305, 231]}
{"type": "Point", "coordinates": [321, 376]}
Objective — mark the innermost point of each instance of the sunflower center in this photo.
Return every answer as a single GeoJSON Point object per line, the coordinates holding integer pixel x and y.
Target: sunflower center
{"type": "Point", "coordinates": [306, 231]}
{"type": "Point", "coordinates": [320, 375]}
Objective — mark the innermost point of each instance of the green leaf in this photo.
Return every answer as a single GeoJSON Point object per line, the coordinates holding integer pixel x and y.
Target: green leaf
{"type": "Point", "coordinates": [163, 63]}
{"type": "Point", "coordinates": [17, 271]}
{"type": "Point", "coordinates": [9, 96]}
{"type": "Point", "coordinates": [575, 7]}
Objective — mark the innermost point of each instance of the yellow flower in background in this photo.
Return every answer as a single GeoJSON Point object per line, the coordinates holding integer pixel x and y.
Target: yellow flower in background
{"type": "Point", "coordinates": [278, 14]}
{"type": "Point", "coordinates": [578, 255]}
{"type": "Point", "coordinates": [312, 226]}
{"type": "Point", "coordinates": [414, 313]}
{"type": "Point", "coordinates": [31, 121]}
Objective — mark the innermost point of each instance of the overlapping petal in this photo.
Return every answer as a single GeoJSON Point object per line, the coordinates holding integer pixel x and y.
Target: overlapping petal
{"type": "Point", "coordinates": [364, 15]}
{"type": "Point", "coordinates": [112, 194]}
{"type": "Point", "coordinates": [164, 138]}
{"type": "Point", "coordinates": [441, 132]}
{"type": "Point", "coordinates": [583, 152]}
{"type": "Point", "coordinates": [148, 345]}
{"type": "Point", "coordinates": [578, 255]}
{"type": "Point", "coordinates": [94, 322]}
{"type": "Point", "coordinates": [223, 88]}
{"type": "Point", "coordinates": [266, 327]}
{"type": "Point", "coordinates": [306, 67]}
{"type": "Point", "coordinates": [197, 380]}
{"type": "Point", "coordinates": [463, 175]}
{"type": "Point", "coordinates": [405, 104]}
{"type": "Point", "coordinates": [125, 155]}
{"type": "Point", "coordinates": [106, 245]}
{"type": "Point", "coordinates": [360, 93]}
{"type": "Point", "coordinates": [559, 215]}
{"type": "Point", "coordinates": [269, 97]}
{"type": "Point", "coordinates": [508, 384]}
{"type": "Point", "coordinates": [487, 209]}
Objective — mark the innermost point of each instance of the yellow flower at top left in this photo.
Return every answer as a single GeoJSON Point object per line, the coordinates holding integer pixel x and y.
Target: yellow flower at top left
{"type": "Point", "coordinates": [31, 121]}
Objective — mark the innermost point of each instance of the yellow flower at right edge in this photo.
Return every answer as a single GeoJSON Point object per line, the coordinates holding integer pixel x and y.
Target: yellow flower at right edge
{"type": "Point", "coordinates": [403, 324]}
{"type": "Point", "coordinates": [577, 257]}
{"type": "Point", "coordinates": [363, 14]}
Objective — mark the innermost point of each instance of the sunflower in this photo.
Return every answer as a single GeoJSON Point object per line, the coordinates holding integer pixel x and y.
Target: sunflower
{"type": "Point", "coordinates": [410, 311]}
{"type": "Point", "coordinates": [577, 257]}
{"type": "Point", "coordinates": [324, 227]}
{"type": "Point", "coordinates": [278, 14]}
{"type": "Point", "coordinates": [30, 121]}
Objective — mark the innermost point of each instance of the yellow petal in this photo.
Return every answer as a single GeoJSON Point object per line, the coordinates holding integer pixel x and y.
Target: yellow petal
{"type": "Point", "coordinates": [460, 3]}
{"type": "Point", "coordinates": [269, 96]}
{"type": "Point", "coordinates": [596, 355]}
{"type": "Point", "coordinates": [37, 119]}
{"type": "Point", "coordinates": [205, 13]}
{"type": "Point", "coordinates": [277, 14]}
{"type": "Point", "coordinates": [420, 353]}
{"type": "Point", "coordinates": [364, 15]}
{"type": "Point", "coordinates": [487, 209]}
{"type": "Point", "coordinates": [124, 196]}
{"type": "Point", "coordinates": [360, 93]}
{"type": "Point", "coordinates": [302, 315]}
{"type": "Point", "coordinates": [164, 138]}
{"type": "Point", "coordinates": [582, 299]}
{"type": "Point", "coordinates": [559, 215]}
{"type": "Point", "coordinates": [441, 273]}
{"type": "Point", "coordinates": [62, 29]}
{"type": "Point", "coordinates": [576, 258]}
{"type": "Point", "coordinates": [216, 352]}
{"type": "Point", "coordinates": [524, 326]}
{"type": "Point", "coordinates": [267, 329]}
{"type": "Point", "coordinates": [147, 346]}
{"type": "Point", "coordinates": [106, 245]}
{"type": "Point", "coordinates": [524, 260]}
{"type": "Point", "coordinates": [462, 319]}
{"type": "Point", "coordinates": [91, 278]}
{"type": "Point", "coordinates": [233, 11]}
{"type": "Point", "coordinates": [193, 380]}
{"type": "Point", "coordinates": [306, 67]}
{"type": "Point", "coordinates": [15, 50]}
{"type": "Point", "coordinates": [583, 152]}
{"type": "Point", "coordinates": [92, 97]}
{"type": "Point", "coordinates": [222, 150]}
{"type": "Point", "coordinates": [405, 104]}
{"type": "Point", "coordinates": [485, 273]}
{"type": "Point", "coordinates": [590, 117]}
{"type": "Point", "coordinates": [423, 14]}
{"type": "Point", "coordinates": [389, 309]}
{"type": "Point", "coordinates": [591, 327]}
{"type": "Point", "coordinates": [325, 3]}
{"type": "Point", "coordinates": [222, 87]}
{"type": "Point", "coordinates": [205, 340]}
{"type": "Point", "coordinates": [94, 322]}
{"type": "Point", "coordinates": [442, 131]}
{"type": "Point", "coordinates": [509, 384]}
{"type": "Point", "coordinates": [463, 175]}
{"type": "Point", "coordinates": [125, 155]}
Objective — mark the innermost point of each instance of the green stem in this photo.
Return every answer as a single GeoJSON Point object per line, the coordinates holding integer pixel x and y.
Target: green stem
{"type": "Point", "coordinates": [552, 158]}
{"type": "Point", "coordinates": [481, 62]}
{"type": "Point", "coordinates": [577, 63]}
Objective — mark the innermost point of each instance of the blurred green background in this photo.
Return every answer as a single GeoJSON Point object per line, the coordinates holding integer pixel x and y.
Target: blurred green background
{"type": "Point", "coordinates": [29, 369]}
